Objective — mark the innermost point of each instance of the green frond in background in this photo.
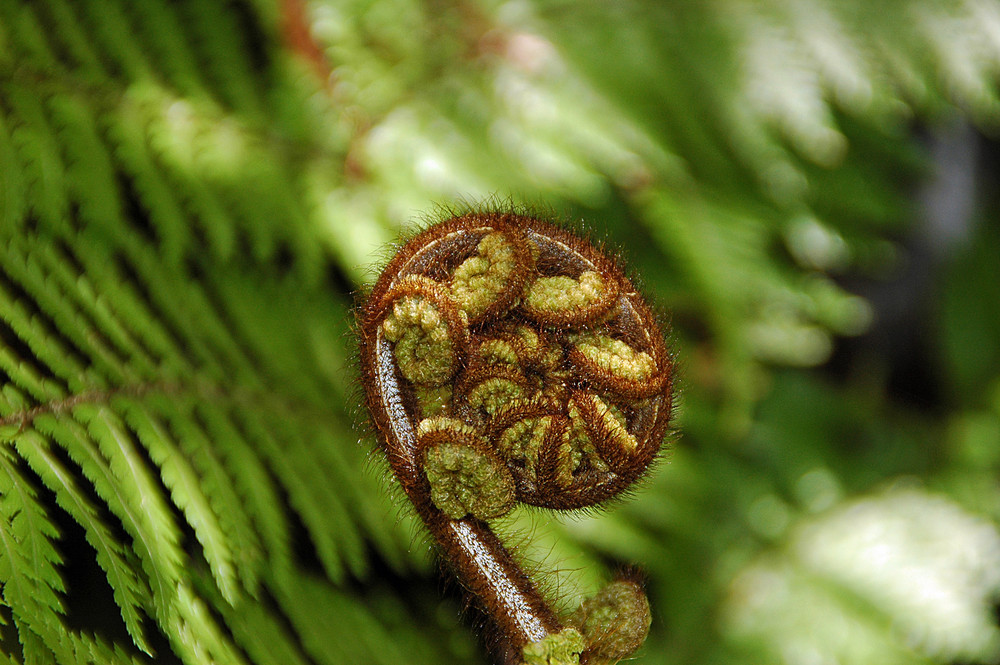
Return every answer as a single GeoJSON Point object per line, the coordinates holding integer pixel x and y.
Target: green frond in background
{"type": "Point", "coordinates": [191, 193]}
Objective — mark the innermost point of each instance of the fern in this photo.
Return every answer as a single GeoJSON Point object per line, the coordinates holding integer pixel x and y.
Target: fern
{"type": "Point", "coordinates": [185, 209]}
{"type": "Point", "coordinates": [166, 417]}
{"type": "Point", "coordinates": [33, 586]}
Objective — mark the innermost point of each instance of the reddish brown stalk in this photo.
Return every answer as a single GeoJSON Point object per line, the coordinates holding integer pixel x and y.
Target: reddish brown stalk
{"type": "Point", "coordinates": [300, 40]}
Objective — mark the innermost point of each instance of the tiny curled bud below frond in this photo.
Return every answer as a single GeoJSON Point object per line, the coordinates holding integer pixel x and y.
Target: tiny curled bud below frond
{"type": "Point", "coordinates": [614, 622]}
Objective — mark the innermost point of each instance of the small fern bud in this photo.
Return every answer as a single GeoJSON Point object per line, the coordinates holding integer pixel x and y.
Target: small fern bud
{"type": "Point", "coordinates": [614, 622]}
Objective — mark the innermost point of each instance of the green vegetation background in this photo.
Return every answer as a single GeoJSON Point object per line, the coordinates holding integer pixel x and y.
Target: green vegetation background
{"type": "Point", "coordinates": [191, 193]}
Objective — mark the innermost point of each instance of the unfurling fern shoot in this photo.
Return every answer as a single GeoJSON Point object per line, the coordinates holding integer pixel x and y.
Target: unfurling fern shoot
{"type": "Point", "coordinates": [505, 360]}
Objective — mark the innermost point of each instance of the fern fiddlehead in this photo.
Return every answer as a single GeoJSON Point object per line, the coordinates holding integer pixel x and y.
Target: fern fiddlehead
{"type": "Point", "coordinates": [507, 360]}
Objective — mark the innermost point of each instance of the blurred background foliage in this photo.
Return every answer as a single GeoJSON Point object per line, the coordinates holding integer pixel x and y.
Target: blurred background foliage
{"type": "Point", "coordinates": [192, 192]}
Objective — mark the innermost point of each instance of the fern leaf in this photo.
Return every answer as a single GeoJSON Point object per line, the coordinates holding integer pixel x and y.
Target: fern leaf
{"type": "Point", "coordinates": [30, 41]}
{"type": "Point", "coordinates": [310, 492]}
{"type": "Point", "coordinates": [252, 482]}
{"type": "Point", "coordinates": [191, 491]}
{"type": "Point", "coordinates": [187, 492]}
{"type": "Point", "coordinates": [92, 649]}
{"type": "Point", "coordinates": [90, 173]}
{"type": "Point", "coordinates": [36, 650]}
{"type": "Point", "coordinates": [106, 22]}
{"type": "Point", "coordinates": [127, 307]}
{"type": "Point", "coordinates": [140, 495]}
{"type": "Point", "coordinates": [34, 373]}
{"type": "Point", "coordinates": [65, 30]}
{"type": "Point", "coordinates": [205, 640]}
{"type": "Point", "coordinates": [70, 646]}
{"type": "Point", "coordinates": [57, 303]}
{"type": "Point", "coordinates": [39, 155]}
{"type": "Point", "coordinates": [26, 376]}
{"type": "Point", "coordinates": [175, 129]}
{"type": "Point", "coordinates": [317, 609]}
{"type": "Point", "coordinates": [266, 641]}
{"type": "Point", "coordinates": [13, 188]}
{"type": "Point", "coordinates": [133, 495]}
{"type": "Point", "coordinates": [216, 38]}
{"type": "Point", "coordinates": [219, 487]}
{"type": "Point", "coordinates": [33, 585]}
{"type": "Point", "coordinates": [163, 37]}
{"type": "Point", "coordinates": [58, 288]}
{"type": "Point", "coordinates": [129, 591]}
{"type": "Point", "coordinates": [146, 178]}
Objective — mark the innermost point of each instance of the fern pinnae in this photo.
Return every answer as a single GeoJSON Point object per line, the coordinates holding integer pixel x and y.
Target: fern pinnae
{"type": "Point", "coordinates": [130, 308]}
{"type": "Point", "coordinates": [294, 598]}
{"type": "Point", "coordinates": [162, 307]}
{"type": "Point", "coordinates": [241, 538]}
{"type": "Point", "coordinates": [188, 623]}
{"type": "Point", "coordinates": [39, 647]}
{"type": "Point", "coordinates": [13, 200]}
{"type": "Point", "coordinates": [186, 492]}
{"type": "Point", "coordinates": [128, 140]}
{"type": "Point", "coordinates": [35, 40]}
{"type": "Point", "coordinates": [262, 634]}
{"type": "Point", "coordinates": [309, 487]}
{"type": "Point", "coordinates": [29, 385]}
{"type": "Point", "coordinates": [21, 264]}
{"type": "Point", "coordinates": [33, 649]}
{"type": "Point", "coordinates": [159, 202]}
{"type": "Point", "coordinates": [61, 369]}
{"type": "Point", "coordinates": [333, 461]}
{"type": "Point", "coordinates": [130, 593]}
{"type": "Point", "coordinates": [317, 609]}
{"type": "Point", "coordinates": [154, 541]}
{"type": "Point", "coordinates": [89, 169]}
{"type": "Point", "coordinates": [55, 266]}
{"type": "Point", "coordinates": [204, 640]}
{"type": "Point", "coordinates": [75, 44]}
{"type": "Point", "coordinates": [163, 36]}
{"type": "Point", "coordinates": [85, 649]}
{"type": "Point", "coordinates": [113, 33]}
{"type": "Point", "coordinates": [174, 136]}
{"type": "Point", "coordinates": [259, 321]}
{"type": "Point", "coordinates": [71, 646]}
{"type": "Point", "coordinates": [28, 36]}
{"type": "Point", "coordinates": [217, 550]}
{"type": "Point", "coordinates": [31, 525]}
{"type": "Point", "coordinates": [240, 545]}
{"type": "Point", "coordinates": [318, 449]}
{"type": "Point", "coordinates": [252, 481]}
{"type": "Point", "coordinates": [33, 585]}
{"type": "Point", "coordinates": [136, 483]}
{"type": "Point", "coordinates": [199, 334]}
{"type": "Point", "coordinates": [222, 51]}
{"type": "Point", "coordinates": [38, 152]}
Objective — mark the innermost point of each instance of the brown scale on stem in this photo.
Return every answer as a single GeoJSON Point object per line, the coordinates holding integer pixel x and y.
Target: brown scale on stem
{"type": "Point", "coordinates": [507, 360]}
